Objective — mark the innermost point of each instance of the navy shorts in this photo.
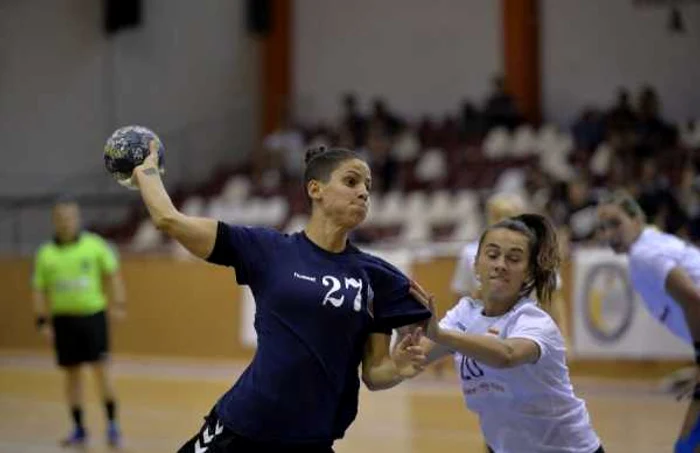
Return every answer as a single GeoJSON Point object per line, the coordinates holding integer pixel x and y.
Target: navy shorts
{"type": "Point", "coordinates": [215, 438]}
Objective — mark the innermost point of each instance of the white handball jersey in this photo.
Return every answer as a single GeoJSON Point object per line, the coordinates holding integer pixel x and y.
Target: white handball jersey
{"type": "Point", "coordinates": [464, 279]}
{"type": "Point", "coordinates": [653, 255]}
{"type": "Point", "coordinates": [529, 408]}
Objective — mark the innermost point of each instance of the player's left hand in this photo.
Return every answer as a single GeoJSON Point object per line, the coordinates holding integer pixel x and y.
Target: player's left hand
{"type": "Point", "coordinates": [432, 328]}
{"type": "Point", "coordinates": [408, 356]}
{"type": "Point", "coordinates": [117, 312]}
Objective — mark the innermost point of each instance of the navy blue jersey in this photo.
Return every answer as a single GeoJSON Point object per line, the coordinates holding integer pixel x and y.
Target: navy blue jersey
{"type": "Point", "coordinates": [314, 313]}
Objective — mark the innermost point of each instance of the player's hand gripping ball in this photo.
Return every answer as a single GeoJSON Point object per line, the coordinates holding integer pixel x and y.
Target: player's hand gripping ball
{"type": "Point", "coordinates": [127, 148]}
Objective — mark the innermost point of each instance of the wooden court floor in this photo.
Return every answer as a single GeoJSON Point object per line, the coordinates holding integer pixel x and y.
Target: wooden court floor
{"type": "Point", "coordinates": [162, 404]}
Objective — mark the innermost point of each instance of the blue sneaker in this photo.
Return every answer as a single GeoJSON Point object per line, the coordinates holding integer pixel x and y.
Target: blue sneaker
{"type": "Point", "coordinates": [691, 443]}
{"type": "Point", "coordinates": [77, 438]}
{"type": "Point", "coordinates": [114, 436]}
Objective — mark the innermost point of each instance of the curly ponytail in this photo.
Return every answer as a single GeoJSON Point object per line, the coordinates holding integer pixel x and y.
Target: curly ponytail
{"type": "Point", "coordinates": [544, 258]}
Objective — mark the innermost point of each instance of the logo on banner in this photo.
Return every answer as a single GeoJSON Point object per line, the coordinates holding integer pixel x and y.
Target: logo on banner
{"type": "Point", "coordinates": [608, 302]}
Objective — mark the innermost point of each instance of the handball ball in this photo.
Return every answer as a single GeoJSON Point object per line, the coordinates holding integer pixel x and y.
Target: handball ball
{"type": "Point", "coordinates": [126, 148]}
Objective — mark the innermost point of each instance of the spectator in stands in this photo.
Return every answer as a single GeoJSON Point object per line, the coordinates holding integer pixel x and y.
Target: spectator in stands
{"type": "Point", "coordinates": [588, 130]}
{"type": "Point", "coordinates": [500, 108]}
{"type": "Point", "coordinates": [449, 133]}
{"type": "Point", "coordinates": [658, 199]}
{"type": "Point", "coordinates": [352, 120]}
{"type": "Point", "coordinates": [265, 170]}
{"type": "Point", "coordinates": [384, 118]}
{"type": "Point", "coordinates": [345, 138]}
{"type": "Point", "coordinates": [286, 146]}
{"type": "Point", "coordinates": [381, 158]}
{"type": "Point", "coordinates": [574, 211]}
{"type": "Point", "coordinates": [652, 192]}
{"type": "Point", "coordinates": [471, 124]}
{"type": "Point", "coordinates": [428, 132]}
{"type": "Point", "coordinates": [538, 188]}
{"type": "Point", "coordinates": [689, 135]}
{"type": "Point", "coordinates": [688, 196]}
{"type": "Point", "coordinates": [406, 146]}
{"type": "Point", "coordinates": [621, 116]}
{"type": "Point", "coordinates": [652, 133]}
{"type": "Point", "coordinates": [322, 136]}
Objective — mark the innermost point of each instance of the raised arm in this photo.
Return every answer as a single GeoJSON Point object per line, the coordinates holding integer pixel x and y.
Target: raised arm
{"type": "Point", "coordinates": [196, 234]}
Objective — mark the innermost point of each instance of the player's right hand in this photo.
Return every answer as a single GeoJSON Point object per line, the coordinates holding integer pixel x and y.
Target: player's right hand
{"type": "Point", "coordinates": [117, 312]}
{"type": "Point", "coordinates": [150, 162]}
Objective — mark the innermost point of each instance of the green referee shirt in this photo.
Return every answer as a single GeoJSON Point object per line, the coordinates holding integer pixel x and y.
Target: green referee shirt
{"type": "Point", "coordinates": [71, 274]}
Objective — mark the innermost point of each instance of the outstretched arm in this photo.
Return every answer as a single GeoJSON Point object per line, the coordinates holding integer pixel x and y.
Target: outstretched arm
{"type": "Point", "coordinates": [492, 351]}
{"type": "Point", "coordinates": [196, 234]}
{"type": "Point", "coordinates": [489, 350]}
{"type": "Point", "coordinates": [433, 351]}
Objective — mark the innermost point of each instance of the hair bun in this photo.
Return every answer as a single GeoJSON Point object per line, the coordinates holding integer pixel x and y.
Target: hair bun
{"type": "Point", "coordinates": [313, 152]}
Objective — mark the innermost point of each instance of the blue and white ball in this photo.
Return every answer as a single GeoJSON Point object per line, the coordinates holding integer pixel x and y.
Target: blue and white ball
{"type": "Point", "coordinates": [126, 148]}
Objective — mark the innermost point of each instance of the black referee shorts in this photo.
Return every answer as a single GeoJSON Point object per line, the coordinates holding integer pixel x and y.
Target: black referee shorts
{"type": "Point", "coordinates": [80, 339]}
{"type": "Point", "coordinates": [215, 438]}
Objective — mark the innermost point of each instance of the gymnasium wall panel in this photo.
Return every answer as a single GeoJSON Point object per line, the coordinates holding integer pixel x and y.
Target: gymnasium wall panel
{"type": "Point", "coordinates": [421, 56]}
{"type": "Point", "coordinates": [591, 48]}
{"type": "Point", "coordinates": [189, 71]}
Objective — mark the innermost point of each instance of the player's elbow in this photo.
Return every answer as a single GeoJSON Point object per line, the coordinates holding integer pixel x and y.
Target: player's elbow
{"type": "Point", "coordinates": [372, 387]}
{"type": "Point", "coordinates": [369, 381]}
{"type": "Point", "coordinates": [374, 380]}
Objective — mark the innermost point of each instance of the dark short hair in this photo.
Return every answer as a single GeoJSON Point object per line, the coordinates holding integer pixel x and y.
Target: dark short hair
{"type": "Point", "coordinates": [64, 199]}
{"type": "Point", "coordinates": [322, 161]}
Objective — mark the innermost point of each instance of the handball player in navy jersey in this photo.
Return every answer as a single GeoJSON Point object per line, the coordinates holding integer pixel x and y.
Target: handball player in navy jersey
{"type": "Point", "coordinates": [323, 310]}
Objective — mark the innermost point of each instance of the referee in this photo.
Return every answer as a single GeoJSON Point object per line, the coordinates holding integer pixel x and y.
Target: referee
{"type": "Point", "coordinates": [70, 304]}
